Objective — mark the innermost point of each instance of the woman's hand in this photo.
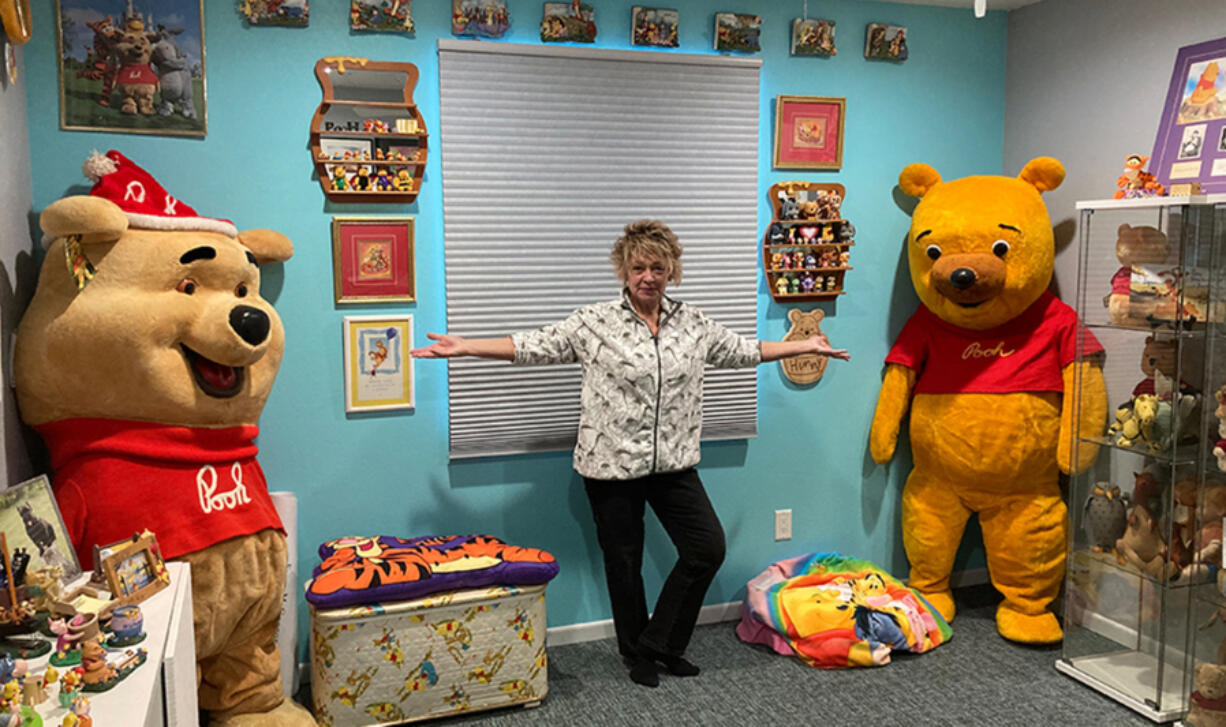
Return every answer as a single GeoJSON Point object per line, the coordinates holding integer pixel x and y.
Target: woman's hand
{"type": "Point", "coordinates": [821, 346]}
{"type": "Point", "coordinates": [447, 347]}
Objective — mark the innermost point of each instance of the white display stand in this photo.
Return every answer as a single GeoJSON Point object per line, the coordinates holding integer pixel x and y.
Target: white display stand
{"type": "Point", "coordinates": [162, 691]}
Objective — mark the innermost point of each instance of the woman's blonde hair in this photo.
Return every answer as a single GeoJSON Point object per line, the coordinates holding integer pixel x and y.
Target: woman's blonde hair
{"type": "Point", "coordinates": [650, 239]}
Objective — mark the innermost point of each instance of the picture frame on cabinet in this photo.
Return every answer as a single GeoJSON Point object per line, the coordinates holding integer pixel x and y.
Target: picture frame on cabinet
{"type": "Point", "coordinates": [738, 32]}
{"type": "Point", "coordinates": [480, 18]}
{"type": "Point", "coordinates": [654, 27]}
{"type": "Point", "coordinates": [885, 42]}
{"type": "Point", "coordinates": [377, 16]}
{"type": "Point", "coordinates": [378, 368]}
{"type": "Point", "coordinates": [809, 132]}
{"type": "Point", "coordinates": [1191, 141]}
{"type": "Point", "coordinates": [372, 260]}
{"type": "Point", "coordinates": [287, 14]}
{"type": "Point", "coordinates": [813, 37]}
{"type": "Point", "coordinates": [568, 22]}
{"type": "Point", "coordinates": [31, 521]}
{"type": "Point", "coordinates": [99, 91]}
{"type": "Point", "coordinates": [356, 149]}
{"type": "Point", "coordinates": [134, 569]}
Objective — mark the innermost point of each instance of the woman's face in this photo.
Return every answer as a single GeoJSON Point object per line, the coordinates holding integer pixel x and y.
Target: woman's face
{"type": "Point", "coordinates": [646, 277]}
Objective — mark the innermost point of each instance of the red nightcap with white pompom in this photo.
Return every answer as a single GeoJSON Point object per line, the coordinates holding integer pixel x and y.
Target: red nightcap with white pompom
{"type": "Point", "coordinates": [146, 203]}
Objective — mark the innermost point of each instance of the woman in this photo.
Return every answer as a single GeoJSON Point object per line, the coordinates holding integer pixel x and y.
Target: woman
{"type": "Point", "coordinates": [640, 420]}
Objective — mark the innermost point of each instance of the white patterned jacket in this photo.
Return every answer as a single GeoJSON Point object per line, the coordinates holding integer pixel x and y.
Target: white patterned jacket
{"type": "Point", "coordinates": [641, 400]}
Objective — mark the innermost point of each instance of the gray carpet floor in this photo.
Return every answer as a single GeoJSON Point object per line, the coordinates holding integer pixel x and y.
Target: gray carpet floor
{"type": "Point", "coordinates": [977, 678]}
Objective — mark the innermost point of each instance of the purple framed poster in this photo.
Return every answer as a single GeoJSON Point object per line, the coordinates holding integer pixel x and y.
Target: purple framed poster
{"type": "Point", "coordinates": [1191, 143]}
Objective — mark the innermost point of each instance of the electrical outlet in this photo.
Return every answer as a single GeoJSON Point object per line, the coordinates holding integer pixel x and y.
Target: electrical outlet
{"type": "Point", "coordinates": [783, 524]}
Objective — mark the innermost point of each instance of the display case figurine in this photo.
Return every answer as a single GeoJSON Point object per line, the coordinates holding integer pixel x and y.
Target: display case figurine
{"type": "Point", "coordinates": [78, 714]}
{"type": "Point", "coordinates": [798, 259]}
{"type": "Point", "coordinates": [810, 261]}
{"type": "Point", "coordinates": [808, 209]}
{"type": "Point", "coordinates": [1142, 547]}
{"type": "Point", "coordinates": [778, 233]}
{"type": "Point", "coordinates": [1137, 249]}
{"type": "Point", "coordinates": [340, 180]}
{"type": "Point", "coordinates": [1106, 516]}
{"type": "Point", "coordinates": [67, 643]}
{"type": "Point", "coordinates": [832, 283]}
{"type": "Point", "coordinates": [403, 181]}
{"type": "Point", "coordinates": [807, 234]}
{"type": "Point", "coordinates": [361, 181]}
{"type": "Point", "coordinates": [781, 285]}
{"type": "Point", "coordinates": [70, 686]}
{"type": "Point", "coordinates": [846, 232]}
{"type": "Point", "coordinates": [383, 180]}
{"type": "Point", "coordinates": [126, 627]}
{"type": "Point", "coordinates": [777, 261]}
{"type": "Point", "coordinates": [807, 282]}
{"type": "Point", "coordinates": [788, 208]}
{"type": "Point", "coordinates": [793, 285]}
{"type": "Point", "coordinates": [1135, 181]}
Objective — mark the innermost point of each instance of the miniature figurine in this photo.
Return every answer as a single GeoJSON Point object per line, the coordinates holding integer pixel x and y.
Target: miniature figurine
{"type": "Point", "coordinates": [126, 626]}
{"type": "Point", "coordinates": [361, 180]}
{"type": "Point", "coordinates": [340, 182]}
{"type": "Point", "coordinates": [93, 660]}
{"type": "Point", "coordinates": [776, 261]}
{"type": "Point", "coordinates": [793, 285]}
{"type": "Point", "coordinates": [78, 715]}
{"type": "Point", "coordinates": [798, 259]}
{"type": "Point", "coordinates": [1135, 181]}
{"type": "Point", "coordinates": [787, 261]}
{"type": "Point", "coordinates": [32, 691]}
{"type": "Point", "coordinates": [781, 285]}
{"type": "Point", "coordinates": [808, 234]}
{"type": "Point", "coordinates": [788, 209]}
{"type": "Point", "coordinates": [383, 179]}
{"type": "Point", "coordinates": [810, 260]}
{"type": "Point", "coordinates": [808, 209]}
{"type": "Point", "coordinates": [11, 668]}
{"type": "Point", "coordinates": [847, 231]}
{"type": "Point", "coordinates": [831, 282]}
{"type": "Point", "coordinates": [403, 181]}
{"type": "Point", "coordinates": [807, 282]}
{"type": "Point", "coordinates": [70, 686]}
{"type": "Point", "coordinates": [1106, 516]}
{"type": "Point", "coordinates": [67, 649]}
{"type": "Point", "coordinates": [777, 234]}
{"type": "Point", "coordinates": [379, 155]}
{"type": "Point", "coordinates": [828, 234]}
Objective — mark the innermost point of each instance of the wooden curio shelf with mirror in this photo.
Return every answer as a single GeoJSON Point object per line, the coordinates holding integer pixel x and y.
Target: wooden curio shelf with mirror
{"type": "Point", "coordinates": [807, 248]}
{"type": "Point", "coordinates": [368, 140]}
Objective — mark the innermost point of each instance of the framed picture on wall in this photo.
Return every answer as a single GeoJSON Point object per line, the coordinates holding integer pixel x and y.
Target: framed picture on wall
{"type": "Point", "coordinates": [129, 73]}
{"type": "Point", "coordinates": [571, 21]}
{"type": "Point", "coordinates": [1191, 141]}
{"type": "Point", "coordinates": [809, 132]}
{"type": "Point", "coordinates": [885, 42]}
{"type": "Point", "coordinates": [813, 37]}
{"type": "Point", "coordinates": [31, 522]}
{"type": "Point", "coordinates": [653, 26]}
{"type": "Point", "coordinates": [378, 369]}
{"type": "Point", "coordinates": [394, 16]}
{"type": "Point", "coordinates": [738, 32]}
{"type": "Point", "coordinates": [479, 18]}
{"type": "Point", "coordinates": [372, 259]}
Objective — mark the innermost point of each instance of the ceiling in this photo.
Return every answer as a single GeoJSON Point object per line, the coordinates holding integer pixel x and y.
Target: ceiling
{"type": "Point", "coordinates": [969, 4]}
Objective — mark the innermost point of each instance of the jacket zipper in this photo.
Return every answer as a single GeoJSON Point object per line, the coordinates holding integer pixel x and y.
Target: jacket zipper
{"type": "Point", "coordinates": [655, 337]}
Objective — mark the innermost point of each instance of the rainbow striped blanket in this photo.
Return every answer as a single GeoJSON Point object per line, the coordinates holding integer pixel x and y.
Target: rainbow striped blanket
{"type": "Point", "coordinates": [835, 611]}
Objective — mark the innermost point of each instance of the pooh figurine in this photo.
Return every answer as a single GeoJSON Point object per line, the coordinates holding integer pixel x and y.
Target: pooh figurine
{"type": "Point", "coordinates": [144, 361]}
{"type": "Point", "coordinates": [986, 365]}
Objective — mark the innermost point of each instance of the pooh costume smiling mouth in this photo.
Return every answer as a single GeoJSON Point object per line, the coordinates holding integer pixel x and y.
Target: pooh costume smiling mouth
{"type": "Point", "coordinates": [988, 365]}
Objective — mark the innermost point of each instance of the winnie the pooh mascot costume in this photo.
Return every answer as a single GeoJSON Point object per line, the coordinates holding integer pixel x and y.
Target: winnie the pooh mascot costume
{"type": "Point", "coordinates": [988, 364]}
{"type": "Point", "coordinates": [144, 361]}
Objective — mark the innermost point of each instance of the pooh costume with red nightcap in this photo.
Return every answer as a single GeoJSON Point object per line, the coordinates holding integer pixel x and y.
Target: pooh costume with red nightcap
{"type": "Point", "coordinates": [144, 361]}
{"type": "Point", "coordinates": [989, 366]}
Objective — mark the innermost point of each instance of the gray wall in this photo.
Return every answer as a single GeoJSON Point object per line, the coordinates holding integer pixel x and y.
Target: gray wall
{"type": "Point", "coordinates": [17, 273]}
{"type": "Point", "coordinates": [1085, 83]}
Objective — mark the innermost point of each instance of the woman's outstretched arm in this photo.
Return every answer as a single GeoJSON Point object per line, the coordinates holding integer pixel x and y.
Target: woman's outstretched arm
{"type": "Point", "coordinates": [775, 350]}
{"type": "Point", "coordinates": [446, 346]}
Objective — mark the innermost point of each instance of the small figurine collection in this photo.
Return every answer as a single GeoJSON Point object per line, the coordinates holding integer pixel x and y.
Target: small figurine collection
{"type": "Point", "coordinates": [806, 251]}
{"type": "Point", "coordinates": [83, 649]}
{"type": "Point", "coordinates": [1151, 289]}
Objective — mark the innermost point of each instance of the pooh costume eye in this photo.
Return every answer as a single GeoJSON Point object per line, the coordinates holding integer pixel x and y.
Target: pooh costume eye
{"type": "Point", "coordinates": [187, 286]}
{"type": "Point", "coordinates": [934, 251]}
{"type": "Point", "coordinates": [241, 290]}
{"type": "Point", "coordinates": [1000, 248]}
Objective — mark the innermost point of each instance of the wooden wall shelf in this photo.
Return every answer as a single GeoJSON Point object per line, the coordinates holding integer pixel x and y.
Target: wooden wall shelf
{"type": "Point", "coordinates": [825, 233]}
{"type": "Point", "coordinates": [357, 91]}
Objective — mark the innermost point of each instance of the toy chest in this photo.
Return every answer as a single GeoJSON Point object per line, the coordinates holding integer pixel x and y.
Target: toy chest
{"type": "Point", "coordinates": [433, 656]}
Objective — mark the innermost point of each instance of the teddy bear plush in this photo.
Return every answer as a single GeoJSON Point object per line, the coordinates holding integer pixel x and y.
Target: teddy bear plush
{"type": "Point", "coordinates": [1208, 704]}
{"type": "Point", "coordinates": [144, 361]}
{"type": "Point", "coordinates": [987, 365]}
{"type": "Point", "coordinates": [1135, 247]}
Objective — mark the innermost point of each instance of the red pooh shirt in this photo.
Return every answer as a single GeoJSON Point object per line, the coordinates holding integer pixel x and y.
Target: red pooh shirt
{"type": "Point", "coordinates": [192, 487]}
{"type": "Point", "coordinates": [1028, 353]}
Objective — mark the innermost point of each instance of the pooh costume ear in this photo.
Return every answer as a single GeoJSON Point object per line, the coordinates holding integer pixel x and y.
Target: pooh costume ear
{"type": "Point", "coordinates": [268, 246]}
{"type": "Point", "coordinates": [918, 180]}
{"type": "Point", "coordinates": [93, 218]}
{"type": "Point", "coordinates": [1043, 173]}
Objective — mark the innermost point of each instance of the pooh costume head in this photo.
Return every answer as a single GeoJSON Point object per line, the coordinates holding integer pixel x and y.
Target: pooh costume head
{"type": "Point", "coordinates": [985, 366]}
{"type": "Point", "coordinates": [144, 361]}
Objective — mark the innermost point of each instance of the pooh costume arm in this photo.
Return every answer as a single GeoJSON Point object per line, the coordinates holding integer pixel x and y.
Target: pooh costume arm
{"type": "Point", "coordinates": [892, 404]}
{"type": "Point", "coordinates": [1083, 382]}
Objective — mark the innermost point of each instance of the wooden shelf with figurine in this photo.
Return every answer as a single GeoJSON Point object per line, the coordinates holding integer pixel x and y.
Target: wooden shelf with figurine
{"type": "Point", "coordinates": [805, 251]}
{"type": "Point", "coordinates": [368, 140]}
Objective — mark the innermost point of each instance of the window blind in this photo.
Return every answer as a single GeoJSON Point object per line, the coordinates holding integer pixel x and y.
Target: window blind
{"type": "Point", "coordinates": [547, 153]}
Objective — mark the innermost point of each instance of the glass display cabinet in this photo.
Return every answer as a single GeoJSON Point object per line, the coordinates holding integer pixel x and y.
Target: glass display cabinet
{"type": "Point", "coordinates": [1145, 520]}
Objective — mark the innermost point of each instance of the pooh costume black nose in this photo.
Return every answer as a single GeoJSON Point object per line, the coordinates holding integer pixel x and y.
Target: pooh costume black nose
{"type": "Point", "coordinates": [962, 278]}
{"type": "Point", "coordinates": [250, 323]}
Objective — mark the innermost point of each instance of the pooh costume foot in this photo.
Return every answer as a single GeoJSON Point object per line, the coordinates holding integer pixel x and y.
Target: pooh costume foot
{"type": "Point", "coordinates": [943, 602]}
{"type": "Point", "coordinates": [288, 714]}
{"type": "Point", "coordinates": [1042, 628]}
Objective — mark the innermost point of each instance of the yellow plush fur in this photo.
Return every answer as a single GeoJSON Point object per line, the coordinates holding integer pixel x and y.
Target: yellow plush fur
{"type": "Point", "coordinates": [114, 350]}
{"type": "Point", "coordinates": [992, 454]}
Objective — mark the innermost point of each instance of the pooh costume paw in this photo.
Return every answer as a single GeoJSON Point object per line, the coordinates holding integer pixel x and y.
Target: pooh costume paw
{"type": "Point", "coordinates": [288, 714]}
{"type": "Point", "coordinates": [943, 602]}
{"type": "Point", "coordinates": [1026, 628]}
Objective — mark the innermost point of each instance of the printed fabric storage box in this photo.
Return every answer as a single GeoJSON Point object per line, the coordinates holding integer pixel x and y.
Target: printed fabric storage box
{"type": "Point", "coordinates": [411, 629]}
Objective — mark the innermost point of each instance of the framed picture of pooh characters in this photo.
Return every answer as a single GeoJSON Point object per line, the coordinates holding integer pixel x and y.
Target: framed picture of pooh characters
{"type": "Point", "coordinates": [132, 66]}
{"type": "Point", "coordinates": [31, 522]}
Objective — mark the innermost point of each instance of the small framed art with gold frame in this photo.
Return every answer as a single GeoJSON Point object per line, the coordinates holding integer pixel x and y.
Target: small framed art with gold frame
{"type": "Point", "coordinates": [134, 569]}
{"type": "Point", "coordinates": [372, 260]}
{"type": "Point", "coordinates": [809, 132]}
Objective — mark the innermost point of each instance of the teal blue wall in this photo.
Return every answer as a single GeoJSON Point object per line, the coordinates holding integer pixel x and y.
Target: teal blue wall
{"type": "Point", "coordinates": [390, 473]}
